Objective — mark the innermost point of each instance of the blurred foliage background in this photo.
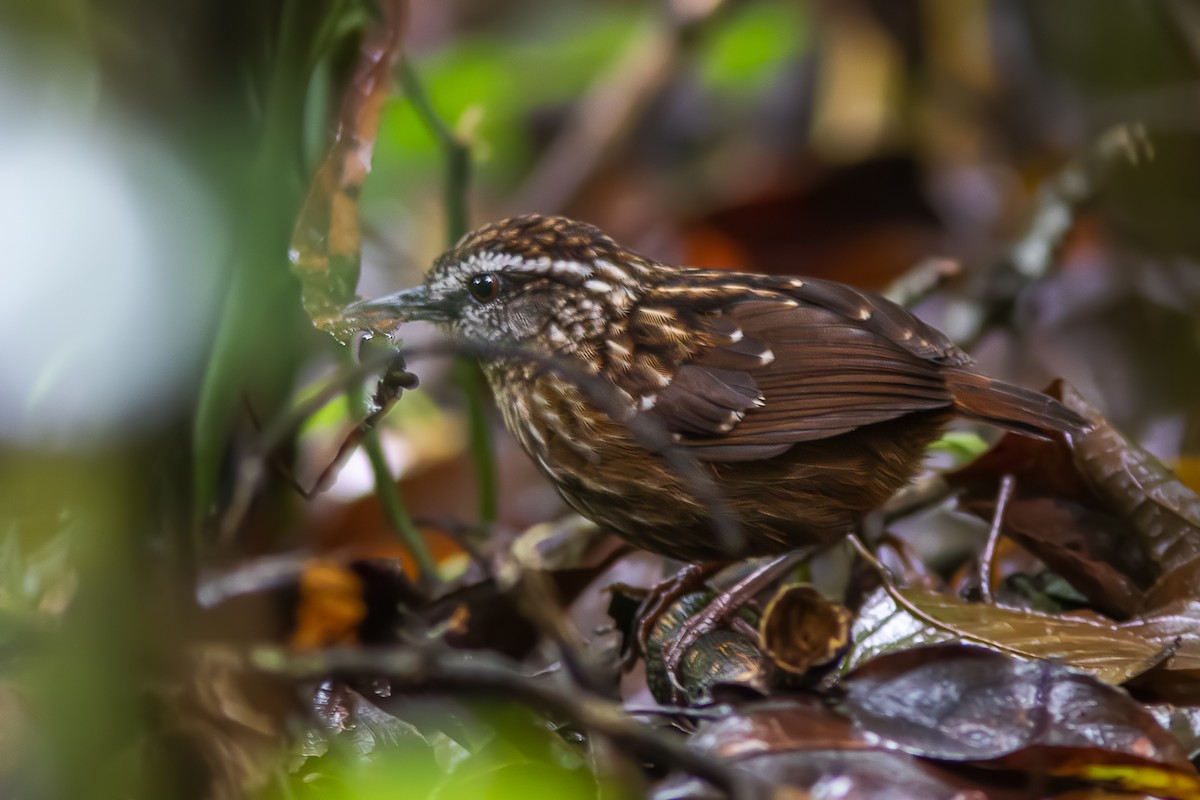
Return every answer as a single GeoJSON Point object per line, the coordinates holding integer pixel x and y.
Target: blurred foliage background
{"type": "Point", "coordinates": [154, 157]}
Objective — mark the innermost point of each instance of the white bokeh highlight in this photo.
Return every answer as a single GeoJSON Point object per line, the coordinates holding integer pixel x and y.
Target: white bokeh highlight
{"type": "Point", "coordinates": [110, 260]}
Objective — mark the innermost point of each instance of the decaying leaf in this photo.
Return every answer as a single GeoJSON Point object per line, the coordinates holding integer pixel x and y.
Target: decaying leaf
{"type": "Point", "coordinates": [325, 241]}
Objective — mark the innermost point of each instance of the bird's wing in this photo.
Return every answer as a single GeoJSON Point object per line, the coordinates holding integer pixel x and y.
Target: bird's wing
{"type": "Point", "coordinates": [790, 368]}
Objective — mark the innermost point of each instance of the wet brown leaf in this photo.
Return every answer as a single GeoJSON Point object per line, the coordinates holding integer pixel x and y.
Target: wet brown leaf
{"type": "Point", "coordinates": [1068, 538]}
{"type": "Point", "coordinates": [972, 704]}
{"type": "Point", "coordinates": [800, 744]}
{"type": "Point", "coordinates": [1103, 648]}
{"type": "Point", "coordinates": [1165, 512]}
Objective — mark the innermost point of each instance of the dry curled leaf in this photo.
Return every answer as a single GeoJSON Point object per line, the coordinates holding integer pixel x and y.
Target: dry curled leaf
{"type": "Point", "coordinates": [801, 629]}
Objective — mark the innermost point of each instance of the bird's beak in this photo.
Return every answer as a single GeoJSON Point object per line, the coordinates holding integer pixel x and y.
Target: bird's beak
{"type": "Point", "coordinates": [387, 313]}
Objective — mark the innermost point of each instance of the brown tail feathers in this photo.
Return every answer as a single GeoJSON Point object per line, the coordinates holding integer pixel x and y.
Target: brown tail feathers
{"type": "Point", "coordinates": [1004, 405]}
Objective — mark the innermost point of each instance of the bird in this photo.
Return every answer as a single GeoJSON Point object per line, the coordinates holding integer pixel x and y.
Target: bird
{"type": "Point", "coordinates": [803, 403]}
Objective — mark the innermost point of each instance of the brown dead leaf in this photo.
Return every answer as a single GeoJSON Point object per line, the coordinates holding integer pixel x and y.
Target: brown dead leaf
{"type": "Point", "coordinates": [1090, 643]}
{"type": "Point", "coordinates": [971, 704]}
{"type": "Point", "coordinates": [1165, 512]}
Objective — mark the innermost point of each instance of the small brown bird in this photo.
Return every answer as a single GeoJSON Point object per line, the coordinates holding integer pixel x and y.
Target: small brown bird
{"type": "Point", "coordinates": [808, 403]}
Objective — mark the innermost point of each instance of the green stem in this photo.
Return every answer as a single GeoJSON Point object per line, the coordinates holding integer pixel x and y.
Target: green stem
{"type": "Point", "coordinates": [457, 178]}
{"type": "Point", "coordinates": [385, 489]}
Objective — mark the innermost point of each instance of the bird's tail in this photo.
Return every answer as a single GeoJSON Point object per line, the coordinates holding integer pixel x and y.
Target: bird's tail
{"type": "Point", "coordinates": [997, 403]}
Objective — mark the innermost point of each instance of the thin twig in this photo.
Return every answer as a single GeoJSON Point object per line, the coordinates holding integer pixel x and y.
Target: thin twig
{"type": "Point", "coordinates": [989, 551]}
{"type": "Point", "coordinates": [389, 496]}
{"type": "Point", "coordinates": [922, 280]}
{"type": "Point", "coordinates": [429, 667]}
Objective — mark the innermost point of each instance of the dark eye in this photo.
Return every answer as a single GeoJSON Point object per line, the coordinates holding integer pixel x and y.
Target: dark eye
{"type": "Point", "coordinates": [484, 287]}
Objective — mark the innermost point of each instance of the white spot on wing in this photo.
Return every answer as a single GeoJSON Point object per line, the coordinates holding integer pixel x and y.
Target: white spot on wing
{"type": "Point", "coordinates": [766, 357]}
{"type": "Point", "coordinates": [597, 286]}
{"type": "Point", "coordinates": [572, 268]}
{"type": "Point", "coordinates": [610, 271]}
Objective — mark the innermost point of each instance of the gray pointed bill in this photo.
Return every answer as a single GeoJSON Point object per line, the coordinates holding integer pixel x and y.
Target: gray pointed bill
{"type": "Point", "coordinates": [389, 312]}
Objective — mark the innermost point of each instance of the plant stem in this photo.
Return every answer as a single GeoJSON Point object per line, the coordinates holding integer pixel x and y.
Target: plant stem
{"type": "Point", "coordinates": [457, 177]}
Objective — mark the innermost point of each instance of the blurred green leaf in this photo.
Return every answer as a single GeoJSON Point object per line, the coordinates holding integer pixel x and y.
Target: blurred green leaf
{"type": "Point", "coordinates": [753, 45]}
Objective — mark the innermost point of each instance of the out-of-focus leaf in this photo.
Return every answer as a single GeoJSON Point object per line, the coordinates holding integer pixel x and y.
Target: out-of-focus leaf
{"type": "Point", "coordinates": [752, 45]}
{"type": "Point", "coordinates": [228, 717]}
{"type": "Point", "coordinates": [489, 90]}
{"type": "Point", "coordinates": [801, 629]}
{"type": "Point", "coordinates": [963, 446]}
{"type": "Point", "coordinates": [324, 250]}
{"type": "Point", "coordinates": [330, 606]}
{"type": "Point", "coordinates": [1103, 648]}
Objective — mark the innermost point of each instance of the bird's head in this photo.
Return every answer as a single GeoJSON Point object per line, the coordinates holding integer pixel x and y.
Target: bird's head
{"type": "Point", "coordinates": [531, 281]}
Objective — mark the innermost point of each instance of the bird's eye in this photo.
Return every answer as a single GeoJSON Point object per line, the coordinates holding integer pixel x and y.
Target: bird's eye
{"type": "Point", "coordinates": [485, 287]}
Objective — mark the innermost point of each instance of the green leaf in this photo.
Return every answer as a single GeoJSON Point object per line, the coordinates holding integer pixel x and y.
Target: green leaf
{"type": "Point", "coordinates": [753, 45]}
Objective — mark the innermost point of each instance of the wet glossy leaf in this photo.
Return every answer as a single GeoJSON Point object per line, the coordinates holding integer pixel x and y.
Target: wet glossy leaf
{"type": "Point", "coordinates": [1103, 648]}
{"type": "Point", "coordinates": [1165, 512]}
{"type": "Point", "coordinates": [968, 703]}
{"type": "Point", "coordinates": [1071, 539]}
{"type": "Point", "coordinates": [800, 744]}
